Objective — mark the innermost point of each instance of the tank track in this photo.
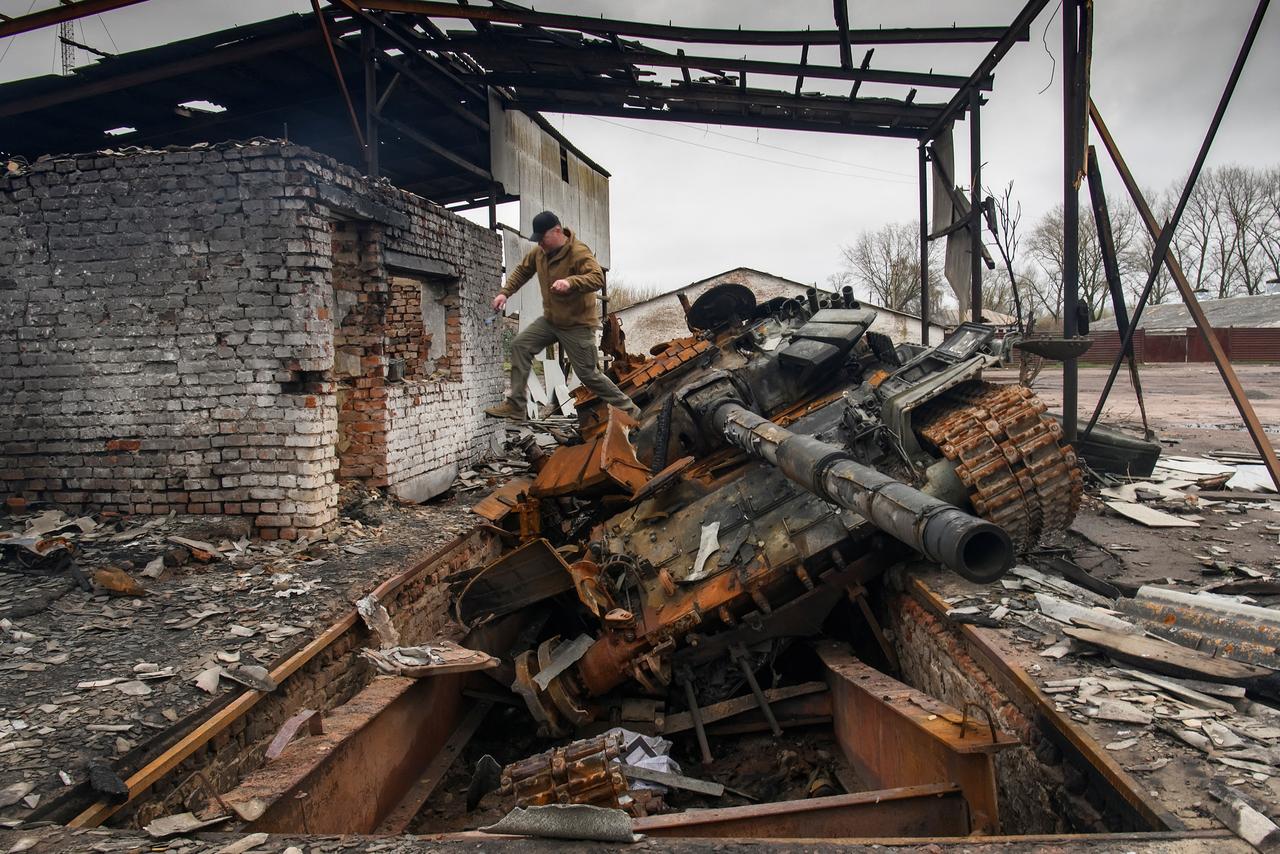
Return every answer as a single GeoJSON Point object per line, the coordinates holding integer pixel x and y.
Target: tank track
{"type": "Point", "coordinates": [1009, 454]}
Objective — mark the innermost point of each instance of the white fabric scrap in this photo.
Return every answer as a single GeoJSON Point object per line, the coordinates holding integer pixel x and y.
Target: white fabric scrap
{"type": "Point", "coordinates": [646, 751]}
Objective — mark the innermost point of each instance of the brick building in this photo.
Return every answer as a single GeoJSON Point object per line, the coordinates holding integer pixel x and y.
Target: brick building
{"type": "Point", "coordinates": [660, 318]}
{"type": "Point", "coordinates": [231, 328]}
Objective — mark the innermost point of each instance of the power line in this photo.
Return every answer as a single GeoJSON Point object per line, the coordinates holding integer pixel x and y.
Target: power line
{"type": "Point", "coordinates": [108, 32]}
{"type": "Point", "coordinates": [806, 154]}
{"type": "Point", "coordinates": [747, 156]}
{"type": "Point", "coordinates": [11, 38]}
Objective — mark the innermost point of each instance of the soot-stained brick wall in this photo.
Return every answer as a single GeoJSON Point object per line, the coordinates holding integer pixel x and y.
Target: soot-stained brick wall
{"type": "Point", "coordinates": [205, 330]}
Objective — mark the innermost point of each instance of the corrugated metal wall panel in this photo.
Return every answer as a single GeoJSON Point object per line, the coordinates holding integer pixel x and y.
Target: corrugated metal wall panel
{"type": "Point", "coordinates": [1254, 345]}
{"type": "Point", "coordinates": [1107, 344]}
{"type": "Point", "coordinates": [1198, 351]}
{"type": "Point", "coordinates": [1165, 348]}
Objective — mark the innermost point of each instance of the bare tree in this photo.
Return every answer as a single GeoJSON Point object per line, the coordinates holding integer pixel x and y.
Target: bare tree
{"type": "Point", "coordinates": [1244, 206]}
{"type": "Point", "coordinates": [1006, 228]}
{"type": "Point", "coordinates": [1046, 249]}
{"type": "Point", "coordinates": [1266, 229]}
{"type": "Point", "coordinates": [884, 266]}
{"type": "Point", "coordinates": [1195, 230]}
{"type": "Point", "coordinates": [622, 293]}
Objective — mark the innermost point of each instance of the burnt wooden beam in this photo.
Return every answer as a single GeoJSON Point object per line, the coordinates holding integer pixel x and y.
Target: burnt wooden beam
{"type": "Point", "coordinates": [666, 32]}
{"type": "Point", "coordinates": [842, 26]}
{"type": "Point", "coordinates": [554, 105]}
{"type": "Point", "coordinates": [76, 91]}
{"type": "Point", "coordinates": [866, 64]}
{"type": "Point", "coordinates": [602, 59]}
{"type": "Point", "coordinates": [804, 60]}
{"type": "Point", "coordinates": [711, 93]}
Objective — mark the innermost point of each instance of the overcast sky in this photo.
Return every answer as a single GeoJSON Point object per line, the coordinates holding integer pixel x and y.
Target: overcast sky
{"type": "Point", "coordinates": [689, 201]}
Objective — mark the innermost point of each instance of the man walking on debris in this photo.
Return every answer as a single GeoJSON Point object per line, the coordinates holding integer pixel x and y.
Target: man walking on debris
{"type": "Point", "coordinates": [569, 276]}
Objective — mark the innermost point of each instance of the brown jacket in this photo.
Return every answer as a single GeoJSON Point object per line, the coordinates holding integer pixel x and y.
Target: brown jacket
{"type": "Point", "coordinates": [572, 262]}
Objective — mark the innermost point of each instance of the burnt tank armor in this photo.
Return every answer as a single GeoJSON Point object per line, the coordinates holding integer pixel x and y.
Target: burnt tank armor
{"type": "Point", "coordinates": [786, 454]}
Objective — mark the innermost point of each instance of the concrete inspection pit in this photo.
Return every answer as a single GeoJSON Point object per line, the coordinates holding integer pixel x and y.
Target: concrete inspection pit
{"type": "Point", "coordinates": [910, 732]}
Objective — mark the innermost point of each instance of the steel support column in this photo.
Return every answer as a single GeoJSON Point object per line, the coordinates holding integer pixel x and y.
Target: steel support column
{"type": "Point", "coordinates": [368, 53]}
{"type": "Point", "coordinates": [1071, 124]}
{"type": "Point", "coordinates": [975, 207]}
{"type": "Point", "coordinates": [1251, 422]}
{"type": "Point", "coordinates": [925, 308]}
{"type": "Point", "coordinates": [896, 736]}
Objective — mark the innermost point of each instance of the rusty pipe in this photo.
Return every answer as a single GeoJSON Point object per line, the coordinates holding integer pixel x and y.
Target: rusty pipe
{"type": "Point", "coordinates": [972, 547]}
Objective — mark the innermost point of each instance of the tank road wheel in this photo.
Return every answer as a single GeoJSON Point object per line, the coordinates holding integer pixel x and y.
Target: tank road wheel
{"type": "Point", "coordinates": [1010, 455]}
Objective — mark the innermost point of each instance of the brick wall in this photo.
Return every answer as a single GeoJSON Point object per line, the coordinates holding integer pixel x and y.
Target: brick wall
{"type": "Point", "coordinates": [204, 330]}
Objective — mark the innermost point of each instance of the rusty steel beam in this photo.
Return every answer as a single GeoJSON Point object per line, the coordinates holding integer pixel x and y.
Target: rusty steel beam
{"type": "Point", "coordinates": [503, 14]}
{"type": "Point", "coordinates": [144, 778]}
{"type": "Point", "coordinates": [59, 14]}
{"type": "Point", "coordinates": [1111, 266]}
{"type": "Point", "coordinates": [337, 72]}
{"type": "Point", "coordinates": [1106, 774]}
{"type": "Point", "coordinates": [398, 820]}
{"type": "Point", "coordinates": [1164, 241]}
{"type": "Point", "coordinates": [897, 736]}
{"type": "Point", "coordinates": [922, 185]}
{"type": "Point", "coordinates": [1072, 131]}
{"type": "Point", "coordinates": [683, 721]}
{"type": "Point", "coordinates": [906, 812]}
{"type": "Point", "coordinates": [1017, 31]}
{"type": "Point", "coordinates": [1251, 422]}
{"type": "Point", "coordinates": [371, 754]}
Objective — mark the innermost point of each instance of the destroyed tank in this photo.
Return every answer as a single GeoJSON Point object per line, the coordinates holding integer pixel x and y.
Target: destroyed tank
{"type": "Point", "coordinates": [787, 454]}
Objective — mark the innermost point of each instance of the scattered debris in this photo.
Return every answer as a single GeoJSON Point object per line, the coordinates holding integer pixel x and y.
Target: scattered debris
{"type": "Point", "coordinates": [106, 782]}
{"type": "Point", "coordinates": [429, 659]}
{"type": "Point", "coordinates": [1246, 818]}
{"type": "Point", "coordinates": [175, 825]}
{"type": "Point", "coordinates": [1150, 517]}
{"type": "Point", "coordinates": [1172, 660]}
{"type": "Point", "coordinates": [375, 616]}
{"type": "Point", "coordinates": [244, 843]}
{"type": "Point", "coordinates": [567, 821]}
{"type": "Point", "coordinates": [117, 582]}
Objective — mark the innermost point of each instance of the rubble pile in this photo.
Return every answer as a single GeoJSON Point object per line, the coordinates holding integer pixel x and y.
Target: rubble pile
{"type": "Point", "coordinates": [1178, 657]}
{"type": "Point", "coordinates": [113, 628]}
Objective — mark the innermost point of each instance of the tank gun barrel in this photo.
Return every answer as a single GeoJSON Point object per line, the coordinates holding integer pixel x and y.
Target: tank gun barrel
{"type": "Point", "coordinates": [972, 547]}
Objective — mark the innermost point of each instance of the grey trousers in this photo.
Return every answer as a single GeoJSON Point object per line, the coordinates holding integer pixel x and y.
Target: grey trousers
{"type": "Point", "coordinates": [579, 343]}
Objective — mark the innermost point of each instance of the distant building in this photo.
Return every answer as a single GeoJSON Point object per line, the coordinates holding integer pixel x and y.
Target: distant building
{"type": "Point", "coordinates": [660, 318]}
{"type": "Point", "coordinates": [1261, 311]}
{"type": "Point", "coordinates": [1248, 328]}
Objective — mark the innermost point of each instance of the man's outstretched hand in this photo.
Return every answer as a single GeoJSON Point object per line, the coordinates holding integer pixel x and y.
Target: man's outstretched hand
{"type": "Point", "coordinates": [499, 302]}
{"type": "Point", "coordinates": [561, 286]}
